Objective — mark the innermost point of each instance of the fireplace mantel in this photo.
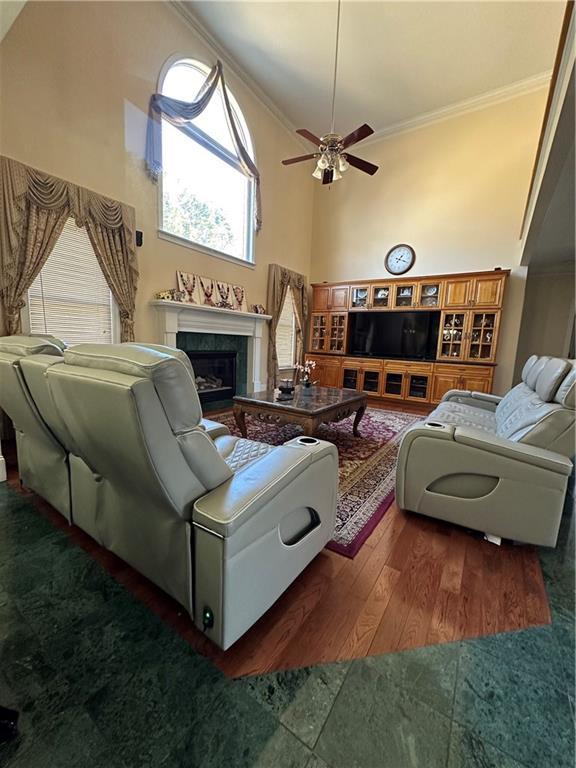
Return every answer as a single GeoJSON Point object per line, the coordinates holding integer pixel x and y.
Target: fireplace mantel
{"type": "Point", "coordinates": [175, 316]}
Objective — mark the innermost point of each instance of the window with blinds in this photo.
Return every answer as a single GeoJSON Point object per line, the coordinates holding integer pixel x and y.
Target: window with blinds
{"type": "Point", "coordinates": [70, 298]}
{"type": "Point", "coordinates": [286, 334]}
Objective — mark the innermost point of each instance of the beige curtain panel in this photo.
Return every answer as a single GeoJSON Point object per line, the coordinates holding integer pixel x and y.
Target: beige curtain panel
{"type": "Point", "coordinates": [33, 210]}
{"type": "Point", "coordinates": [279, 280]}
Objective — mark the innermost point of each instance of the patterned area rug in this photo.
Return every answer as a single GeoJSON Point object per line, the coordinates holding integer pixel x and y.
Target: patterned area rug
{"type": "Point", "coordinates": [367, 467]}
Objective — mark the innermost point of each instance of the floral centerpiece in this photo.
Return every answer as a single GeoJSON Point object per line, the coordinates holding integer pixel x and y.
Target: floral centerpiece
{"type": "Point", "coordinates": [304, 372]}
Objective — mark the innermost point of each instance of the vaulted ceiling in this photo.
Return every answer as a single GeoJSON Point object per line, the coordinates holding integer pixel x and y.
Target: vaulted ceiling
{"type": "Point", "coordinates": [398, 60]}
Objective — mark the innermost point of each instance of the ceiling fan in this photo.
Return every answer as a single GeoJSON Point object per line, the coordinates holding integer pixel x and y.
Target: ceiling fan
{"type": "Point", "coordinates": [332, 159]}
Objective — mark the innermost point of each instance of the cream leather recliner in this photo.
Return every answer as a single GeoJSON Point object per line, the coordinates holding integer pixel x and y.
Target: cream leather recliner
{"type": "Point", "coordinates": [496, 464]}
{"type": "Point", "coordinates": [42, 457]}
{"type": "Point", "coordinates": [222, 524]}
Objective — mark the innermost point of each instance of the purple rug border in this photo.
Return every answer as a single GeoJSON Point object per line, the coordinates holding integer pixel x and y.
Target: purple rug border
{"type": "Point", "coordinates": [352, 549]}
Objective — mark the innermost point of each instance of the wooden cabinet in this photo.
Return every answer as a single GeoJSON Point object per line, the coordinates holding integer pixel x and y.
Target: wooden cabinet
{"type": "Point", "coordinates": [481, 291]}
{"type": "Point", "coordinates": [468, 336]}
{"type": "Point", "coordinates": [327, 370]}
{"type": "Point", "coordinates": [487, 291]}
{"type": "Point", "coordinates": [404, 295]}
{"type": "Point", "coordinates": [380, 296]}
{"type": "Point", "coordinates": [429, 294]}
{"type": "Point", "coordinates": [361, 375]}
{"type": "Point", "coordinates": [468, 377]}
{"type": "Point", "coordinates": [320, 298]}
{"type": "Point", "coordinates": [469, 305]}
{"type": "Point", "coordinates": [329, 297]}
{"type": "Point", "coordinates": [359, 296]}
{"type": "Point", "coordinates": [319, 332]}
{"type": "Point", "coordinates": [407, 381]}
{"type": "Point", "coordinates": [328, 332]}
{"type": "Point", "coordinates": [457, 292]}
{"type": "Point", "coordinates": [452, 336]}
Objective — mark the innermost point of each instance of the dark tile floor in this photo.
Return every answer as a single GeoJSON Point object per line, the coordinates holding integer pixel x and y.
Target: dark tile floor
{"type": "Point", "coordinates": [102, 682]}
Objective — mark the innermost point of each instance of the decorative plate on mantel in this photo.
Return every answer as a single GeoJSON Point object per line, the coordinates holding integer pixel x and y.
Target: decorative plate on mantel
{"type": "Point", "coordinates": [206, 292]}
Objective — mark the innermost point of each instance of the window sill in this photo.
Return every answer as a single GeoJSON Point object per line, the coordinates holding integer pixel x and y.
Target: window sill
{"type": "Point", "coordinates": [204, 249]}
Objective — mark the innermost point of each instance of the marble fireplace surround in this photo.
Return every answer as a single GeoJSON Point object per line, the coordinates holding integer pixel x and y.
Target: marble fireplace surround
{"type": "Point", "coordinates": [175, 317]}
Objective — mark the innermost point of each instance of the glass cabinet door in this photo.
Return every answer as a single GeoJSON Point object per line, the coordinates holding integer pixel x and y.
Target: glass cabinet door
{"type": "Point", "coordinates": [359, 297]}
{"type": "Point", "coordinates": [451, 342]}
{"type": "Point", "coordinates": [418, 384]}
{"type": "Point", "coordinates": [393, 383]}
{"type": "Point", "coordinates": [482, 336]}
{"type": "Point", "coordinates": [429, 295]}
{"type": "Point", "coordinates": [404, 295]}
{"type": "Point", "coordinates": [318, 333]}
{"type": "Point", "coordinates": [380, 297]}
{"type": "Point", "coordinates": [350, 377]}
{"type": "Point", "coordinates": [371, 381]}
{"type": "Point", "coordinates": [337, 332]}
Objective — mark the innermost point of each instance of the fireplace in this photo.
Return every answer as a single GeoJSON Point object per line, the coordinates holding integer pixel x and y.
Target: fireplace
{"type": "Point", "coordinates": [215, 373]}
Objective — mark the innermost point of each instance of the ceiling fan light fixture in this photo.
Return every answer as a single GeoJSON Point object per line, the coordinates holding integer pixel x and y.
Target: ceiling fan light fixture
{"type": "Point", "coordinates": [323, 162]}
{"type": "Point", "coordinates": [318, 172]}
{"type": "Point", "coordinates": [336, 175]}
{"type": "Point", "coordinates": [343, 163]}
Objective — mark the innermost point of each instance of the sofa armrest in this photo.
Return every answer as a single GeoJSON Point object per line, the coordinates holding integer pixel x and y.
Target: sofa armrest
{"type": "Point", "coordinates": [475, 399]}
{"type": "Point", "coordinates": [528, 454]}
{"type": "Point", "coordinates": [237, 500]}
{"type": "Point", "coordinates": [213, 428]}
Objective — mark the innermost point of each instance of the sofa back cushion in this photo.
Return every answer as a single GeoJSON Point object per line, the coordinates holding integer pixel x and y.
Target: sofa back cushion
{"type": "Point", "coordinates": [540, 417]}
{"type": "Point", "coordinates": [566, 392]}
{"type": "Point", "coordinates": [171, 376]}
{"type": "Point", "coordinates": [550, 378]}
{"type": "Point", "coordinates": [532, 360]}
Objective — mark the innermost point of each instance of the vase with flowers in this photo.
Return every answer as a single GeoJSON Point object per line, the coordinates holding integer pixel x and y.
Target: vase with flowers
{"type": "Point", "coordinates": [304, 374]}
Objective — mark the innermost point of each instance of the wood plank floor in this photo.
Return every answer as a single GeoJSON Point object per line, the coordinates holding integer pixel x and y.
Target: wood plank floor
{"type": "Point", "coordinates": [415, 582]}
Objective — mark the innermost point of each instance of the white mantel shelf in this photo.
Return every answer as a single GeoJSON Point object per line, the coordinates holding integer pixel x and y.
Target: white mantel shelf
{"type": "Point", "coordinates": [176, 316]}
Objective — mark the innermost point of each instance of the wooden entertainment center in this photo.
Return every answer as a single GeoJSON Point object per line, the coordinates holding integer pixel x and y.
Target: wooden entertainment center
{"type": "Point", "coordinates": [470, 306]}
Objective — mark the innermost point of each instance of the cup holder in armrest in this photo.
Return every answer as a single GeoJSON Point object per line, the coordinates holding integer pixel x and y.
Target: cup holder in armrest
{"type": "Point", "coordinates": [307, 441]}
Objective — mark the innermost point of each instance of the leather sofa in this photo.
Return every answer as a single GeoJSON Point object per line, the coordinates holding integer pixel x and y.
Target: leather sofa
{"type": "Point", "coordinates": [496, 464]}
{"type": "Point", "coordinates": [221, 523]}
{"type": "Point", "coordinates": [42, 457]}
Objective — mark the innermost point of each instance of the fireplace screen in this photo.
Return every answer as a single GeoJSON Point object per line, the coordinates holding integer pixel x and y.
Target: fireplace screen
{"type": "Point", "coordinates": [215, 374]}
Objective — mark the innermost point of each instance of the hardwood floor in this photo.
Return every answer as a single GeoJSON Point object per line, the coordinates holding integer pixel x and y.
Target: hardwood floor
{"type": "Point", "coordinates": [415, 582]}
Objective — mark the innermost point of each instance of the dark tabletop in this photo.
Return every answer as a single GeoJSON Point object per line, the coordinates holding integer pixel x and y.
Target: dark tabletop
{"type": "Point", "coordinates": [314, 400]}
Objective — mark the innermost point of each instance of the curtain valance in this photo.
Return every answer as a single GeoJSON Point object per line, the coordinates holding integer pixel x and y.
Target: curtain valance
{"type": "Point", "coordinates": [179, 113]}
{"type": "Point", "coordinates": [34, 208]}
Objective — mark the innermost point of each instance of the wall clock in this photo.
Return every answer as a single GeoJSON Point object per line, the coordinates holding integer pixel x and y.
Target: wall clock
{"type": "Point", "coordinates": [400, 259]}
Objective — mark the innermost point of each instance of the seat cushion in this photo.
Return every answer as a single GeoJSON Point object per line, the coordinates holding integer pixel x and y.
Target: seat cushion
{"type": "Point", "coordinates": [238, 452]}
{"type": "Point", "coordinates": [461, 415]}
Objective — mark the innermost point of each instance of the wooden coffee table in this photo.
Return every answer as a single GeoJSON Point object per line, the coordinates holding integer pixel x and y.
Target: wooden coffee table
{"type": "Point", "coordinates": [308, 408]}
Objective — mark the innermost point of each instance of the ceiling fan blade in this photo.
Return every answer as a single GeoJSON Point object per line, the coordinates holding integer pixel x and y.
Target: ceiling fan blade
{"type": "Point", "coordinates": [327, 176]}
{"type": "Point", "coordinates": [298, 159]}
{"type": "Point", "coordinates": [310, 136]}
{"type": "Point", "coordinates": [360, 133]}
{"type": "Point", "coordinates": [362, 165]}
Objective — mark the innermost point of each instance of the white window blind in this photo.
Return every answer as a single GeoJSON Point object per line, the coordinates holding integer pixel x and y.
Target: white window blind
{"type": "Point", "coordinates": [70, 297]}
{"type": "Point", "coordinates": [286, 333]}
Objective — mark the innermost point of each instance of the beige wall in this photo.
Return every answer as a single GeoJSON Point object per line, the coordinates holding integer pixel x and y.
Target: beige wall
{"type": "Point", "coordinates": [75, 82]}
{"type": "Point", "coordinates": [548, 315]}
{"type": "Point", "coordinates": [455, 190]}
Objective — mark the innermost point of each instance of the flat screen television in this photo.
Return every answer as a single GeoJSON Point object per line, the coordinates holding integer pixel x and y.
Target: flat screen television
{"type": "Point", "coordinates": [402, 335]}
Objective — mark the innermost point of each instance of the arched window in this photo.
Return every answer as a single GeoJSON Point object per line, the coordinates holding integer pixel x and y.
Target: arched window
{"type": "Point", "coordinates": [206, 198]}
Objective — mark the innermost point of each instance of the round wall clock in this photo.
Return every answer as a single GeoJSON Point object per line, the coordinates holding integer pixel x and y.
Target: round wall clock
{"type": "Point", "coordinates": [400, 259]}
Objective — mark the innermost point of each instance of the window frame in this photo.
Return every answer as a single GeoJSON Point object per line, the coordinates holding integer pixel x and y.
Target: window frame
{"type": "Point", "coordinates": [222, 153]}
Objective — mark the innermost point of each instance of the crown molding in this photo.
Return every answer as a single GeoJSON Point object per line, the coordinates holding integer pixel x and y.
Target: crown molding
{"type": "Point", "coordinates": [512, 91]}
{"type": "Point", "coordinates": [185, 13]}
